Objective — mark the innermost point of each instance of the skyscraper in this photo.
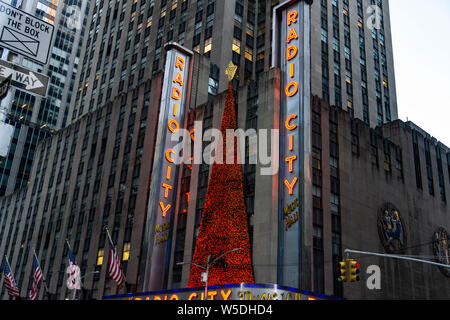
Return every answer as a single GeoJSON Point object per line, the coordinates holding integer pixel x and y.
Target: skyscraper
{"type": "Point", "coordinates": [351, 49]}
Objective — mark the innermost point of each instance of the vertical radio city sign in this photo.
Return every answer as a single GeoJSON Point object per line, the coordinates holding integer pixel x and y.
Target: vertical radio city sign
{"type": "Point", "coordinates": [291, 54]}
{"type": "Point", "coordinates": [163, 190]}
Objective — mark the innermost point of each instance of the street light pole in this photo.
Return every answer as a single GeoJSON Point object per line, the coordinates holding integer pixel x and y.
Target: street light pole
{"type": "Point", "coordinates": [81, 283]}
{"type": "Point", "coordinates": [208, 264]}
{"type": "Point", "coordinates": [206, 282]}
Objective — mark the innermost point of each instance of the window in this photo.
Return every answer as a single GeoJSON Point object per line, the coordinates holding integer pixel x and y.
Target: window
{"type": "Point", "coordinates": [126, 251]}
{"type": "Point", "coordinates": [213, 86]}
{"type": "Point", "coordinates": [100, 255]}
{"type": "Point", "coordinates": [248, 53]}
{"type": "Point", "coordinates": [208, 45]}
{"type": "Point", "coordinates": [334, 203]}
{"type": "Point", "coordinates": [237, 45]}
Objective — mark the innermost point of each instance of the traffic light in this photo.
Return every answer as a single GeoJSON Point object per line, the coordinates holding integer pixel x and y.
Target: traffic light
{"type": "Point", "coordinates": [354, 271]}
{"type": "Point", "coordinates": [343, 276]}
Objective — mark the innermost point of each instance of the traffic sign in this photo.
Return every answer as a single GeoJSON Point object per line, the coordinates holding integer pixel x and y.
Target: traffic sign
{"type": "Point", "coordinates": [24, 79]}
{"type": "Point", "coordinates": [4, 87]}
{"type": "Point", "coordinates": [25, 34]}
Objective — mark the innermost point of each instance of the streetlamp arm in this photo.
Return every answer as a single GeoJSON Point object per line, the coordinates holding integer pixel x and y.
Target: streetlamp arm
{"type": "Point", "coordinates": [219, 257]}
{"type": "Point", "coordinates": [194, 264]}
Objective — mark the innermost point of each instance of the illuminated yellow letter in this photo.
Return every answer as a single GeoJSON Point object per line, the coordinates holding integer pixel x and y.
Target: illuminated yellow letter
{"type": "Point", "coordinates": [168, 158]}
{"type": "Point", "coordinates": [289, 92]}
{"type": "Point", "coordinates": [178, 79]}
{"type": "Point", "coordinates": [291, 160]}
{"type": "Point", "coordinates": [292, 35]}
{"type": "Point", "coordinates": [164, 209]}
{"type": "Point", "coordinates": [173, 126]}
{"type": "Point", "coordinates": [180, 63]}
{"type": "Point", "coordinates": [167, 188]}
{"type": "Point", "coordinates": [176, 93]}
{"type": "Point", "coordinates": [288, 122]}
{"type": "Point", "coordinates": [292, 17]}
{"type": "Point", "coordinates": [291, 52]}
{"type": "Point", "coordinates": [291, 185]}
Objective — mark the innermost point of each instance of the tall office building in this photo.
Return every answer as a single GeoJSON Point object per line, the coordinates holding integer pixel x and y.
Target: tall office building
{"type": "Point", "coordinates": [351, 49]}
{"type": "Point", "coordinates": [35, 118]}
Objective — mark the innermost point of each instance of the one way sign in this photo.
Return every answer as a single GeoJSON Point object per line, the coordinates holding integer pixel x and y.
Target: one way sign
{"type": "Point", "coordinates": [24, 79]}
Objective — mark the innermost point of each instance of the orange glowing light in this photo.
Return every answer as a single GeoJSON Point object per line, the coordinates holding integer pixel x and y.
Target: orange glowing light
{"type": "Point", "coordinates": [292, 17]}
{"type": "Point", "coordinates": [291, 52]}
{"type": "Point", "coordinates": [292, 35]}
{"type": "Point", "coordinates": [192, 296]}
{"type": "Point", "coordinates": [175, 110]}
{"type": "Point", "coordinates": [291, 143]}
{"type": "Point", "coordinates": [178, 79]}
{"type": "Point", "coordinates": [176, 93]}
{"type": "Point", "coordinates": [169, 169]}
{"type": "Point", "coordinates": [180, 63]}
{"type": "Point", "coordinates": [167, 188]}
{"type": "Point", "coordinates": [291, 160]}
{"type": "Point", "coordinates": [288, 122]}
{"type": "Point", "coordinates": [164, 209]}
{"type": "Point", "coordinates": [168, 153]}
{"type": "Point", "coordinates": [226, 295]}
{"type": "Point", "coordinates": [173, 126]}
{"type": "Point", "coordinates": [212, 294]}
{"type": "Point", "coordinates": [291, 185]}
{"type": "Point", "coordinates": [291, 89]}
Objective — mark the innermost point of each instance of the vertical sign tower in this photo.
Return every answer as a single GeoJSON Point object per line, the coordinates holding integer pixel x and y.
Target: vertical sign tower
{"type": "Point", "coordinates": [291, 54]}
{"type": "Point", "coordinates": [161, 205]}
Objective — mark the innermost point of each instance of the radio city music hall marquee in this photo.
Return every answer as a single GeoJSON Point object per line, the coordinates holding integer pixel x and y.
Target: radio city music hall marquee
{"type": "Point", "coordinates": [163, 191]}
{"type": "Point", "coordinates": [291, 56]}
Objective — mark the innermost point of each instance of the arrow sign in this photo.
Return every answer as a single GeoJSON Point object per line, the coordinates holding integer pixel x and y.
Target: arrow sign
{"type": "Point", "coordinates": [24, 79]}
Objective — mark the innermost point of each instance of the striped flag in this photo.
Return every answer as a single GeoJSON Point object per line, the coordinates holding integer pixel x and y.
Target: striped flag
{"type": "Point", "coordinates": [74, 280]}
{"type": "Point", "coordinates": [71, 256]}
{"type": "Point", "coordinates": [114, 265]}
{"type": "Point", "coordinates": [10, 284]}
{"type": "Point", "coordinates": [37, 278]}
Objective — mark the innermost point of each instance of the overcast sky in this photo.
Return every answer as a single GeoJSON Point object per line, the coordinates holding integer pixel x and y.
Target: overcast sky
{"type": "Point", "coordinates": [421, 41]}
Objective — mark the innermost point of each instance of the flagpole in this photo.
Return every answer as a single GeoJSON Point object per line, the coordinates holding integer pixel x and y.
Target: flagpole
{"type": "Point", "coordinates": [42, 271]}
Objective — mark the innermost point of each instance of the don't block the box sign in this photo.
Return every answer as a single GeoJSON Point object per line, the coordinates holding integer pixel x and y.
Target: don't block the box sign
{"type": "Point", "coordinates": [291, 54]}
{"type": "Point", "coordinates": [163, 191]}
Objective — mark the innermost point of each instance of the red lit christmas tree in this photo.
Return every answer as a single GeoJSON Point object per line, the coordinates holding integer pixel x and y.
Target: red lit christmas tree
{"type": "Point", "coordinates": [224, 221]}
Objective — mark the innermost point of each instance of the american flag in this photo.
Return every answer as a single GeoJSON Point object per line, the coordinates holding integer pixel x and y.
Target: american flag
{"type": "Point", "coordinates": [71, 256]}
{"type": "Point", "coordinates": [114, 266]}
{"type": "Point", "coordinates": [74, 269]}
{"type": "Point", "coordinates": [37, 278]}
{"type": "Point", "coordinates": [10, 284]}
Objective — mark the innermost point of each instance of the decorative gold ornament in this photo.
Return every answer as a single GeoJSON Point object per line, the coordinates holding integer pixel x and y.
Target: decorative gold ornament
{"type": "Point", "coordinates": [231, 70]}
